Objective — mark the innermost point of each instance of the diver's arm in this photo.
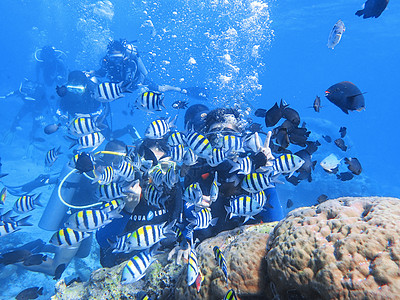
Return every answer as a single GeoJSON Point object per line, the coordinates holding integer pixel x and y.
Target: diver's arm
{"type": "Point", "coordinates": [141, 67]}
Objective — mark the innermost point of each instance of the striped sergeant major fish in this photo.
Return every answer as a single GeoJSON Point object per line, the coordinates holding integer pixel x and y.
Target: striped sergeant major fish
{"type": "Point", "coordinates": [68, 237]}
{"type": "Point", "coordinates": [243, 165]}
{"type": "Point", "coordinates": [110, 91]}
{"type": "Point", "coordinates": [203, 219]}
{"type": "Point", "coordinates": [230, 295]}
{"type": "Point", "coordinates": [214, 190]}
{"type": "Point", "coordinates": [176, 153]}
{"type": "Point", "coordinates": [136, 268]}
{"type": "Point", "coordinates": [26, 203]}
{"type": "Point", "coordinates": [10, 227]}
{"type": "Point", "coordinates": [243, 206]}
{"type": "Point", "coordinates": [84, 124]}
{"type": "Point", "coordinates": [90, 219]}
{"type": "Point", "coordinates": [159, 128]}
{"type": "Point", "coordinates": [260, 198]}
{"type": "Point", "coordinates": [254, 142]}
{"type": "Point", "coordinates": [91, 140]}
{"type": "Point", "coordinates": [105, 177]}
{"type": "Point", "coordinates": [193, 273]}
{"type": "Point", "coordinates": [156, 175]}
{"type": "Point", "coordinates": [171, 177]}
{"type": "Point", "coordinates": [121, 246]}
{"type": "Point", "coordinates": [199, 144]}
{"type": "Point", "coordinates": [125, 170]}
{"type": "Point", "coordinates": [115, 204]}
{"type": "Point", "coordinates": [154, 197]}
{"type": "Point", "coordinates": [176, 138]}
{"type": "Point", "coordinates": [232, 143]}
{"type": "Point", "coordinates": [193, 194]}
{"type": "Point", "coordinates": [110, 191]}
{"type": "Point", "coordinates": [150, 101]}
{"type": "Point", "coordinates": [216, 158]}
{"type": "Point", "coordinates": [287, 164]}
{"type": "Point", "coordinates": [146, 236]}
{"type": "Point", "coordinates": [256, 182]}
{"type": "Point", "coordinates": [51, 156]}
{"type": "Point", "coordinates": [219, 257]}
{"type": "Point", "coordinates": [189, 158]}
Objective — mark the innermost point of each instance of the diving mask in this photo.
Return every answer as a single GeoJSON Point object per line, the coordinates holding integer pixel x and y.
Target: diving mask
{"type": "Point", "coordinates": [76, 89]}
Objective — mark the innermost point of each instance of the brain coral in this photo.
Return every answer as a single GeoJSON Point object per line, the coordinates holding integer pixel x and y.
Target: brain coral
{"type": "Point", "coordinates": [348, 248]}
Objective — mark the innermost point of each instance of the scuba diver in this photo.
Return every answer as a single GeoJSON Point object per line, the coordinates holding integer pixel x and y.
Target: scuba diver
{"type": "Point", "coordinates": [122, 63]}
{"type": "Point", "coordinates": [35, 102]}
{"type": "Point", "coordinates": [214, 125]}
{"type": "Point", "coordinates": [50, 67]}
{"type": "Point", "coordinates": [77, 95]}
{"type": "Point", "coordinates": [140, 213]}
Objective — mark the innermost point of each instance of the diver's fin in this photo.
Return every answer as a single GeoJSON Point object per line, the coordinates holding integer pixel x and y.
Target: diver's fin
{"type": "Point", "coordinates": [199, 93]}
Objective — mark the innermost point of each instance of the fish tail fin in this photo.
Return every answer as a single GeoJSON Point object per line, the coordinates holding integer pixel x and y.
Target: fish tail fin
{"type": "Point", "coordinates": [24, 221]}
{"type": "Point", "coordinates": [72, 140]}
{"type": "Point", "coordinates": [36, 200]}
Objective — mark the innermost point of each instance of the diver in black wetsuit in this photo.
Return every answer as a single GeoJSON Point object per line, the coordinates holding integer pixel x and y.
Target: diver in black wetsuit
{"type": "Point", "coordinates": [50, 67]}
{"type": "Point", "coordinates": [122, 63]}
{"type": "Point", "coordinates": [77, 95]}
{"type": "Point", "coordinates": [35, 102]}
{"type": "Point", "coordinates": [140, 213]}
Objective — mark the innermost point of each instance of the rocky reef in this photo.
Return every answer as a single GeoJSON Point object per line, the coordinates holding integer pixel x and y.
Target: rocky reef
{"type": "Point", "coordinates": [347, 248]}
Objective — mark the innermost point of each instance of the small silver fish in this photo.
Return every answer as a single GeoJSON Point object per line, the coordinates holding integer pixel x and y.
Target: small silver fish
{"type": "Point", "coordinates": [336, 34]}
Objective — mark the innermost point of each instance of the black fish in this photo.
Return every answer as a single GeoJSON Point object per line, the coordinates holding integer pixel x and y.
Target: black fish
{"type": "Point", "coordinates": [322, 198]}
{"type": "Point", "coordinates": [300, 131]}
{"type": "Point", "coordinates": [180, 104]}
{"type": "Point", "coordinates": [343, 131]}
{"type": "Point", "coordinates": [261, 112]}
{"type": "Point", "coordinates": [312, 147]}
{"type": "Point", "coordinates": [317, 104]}
{"type": "Point", "coordinates": [282, 138]}
{"type": "Point", "coordinates": [299, 140]}
{"type": "Point", "coordinates": [340, 143]}
{"type": "Point", "coordinates": [30, 293]}
{"type": "Point", "coordinates": [15, 256]}
{"type": "Point", "coordinates": [345, 176]}
{"type": "Point", "coordinates": [353, 165]}
{"type": "Point", "coordinates": [289, 203]}
{"type": "Point", "coordinates": [84, 163]}
{"type": "Point", "coordinates": [255, 127]}
{"type": "Point", "coordinates": [288, 125]}
{"type": "Point", "coordinates": [372, 8]}
{"type": "Point", "coordinates": [292, 179]}
{"type": "Point", "coordinates": [327, 138]}
{"type": "Point", "coordinates": [51, 128]}
{"type": "Point", "coordinates": [308, 166]}
{"type": "Point", "coordinates": [35, 259]}
{"type": "Point", "coordinates": [346, 96]}
{"type": "Point", "coordinates": [291, 115]}
{"type": "Point", "coordinates": [274, 114]}
{"type": "Point", "coordinates": [59, 271]}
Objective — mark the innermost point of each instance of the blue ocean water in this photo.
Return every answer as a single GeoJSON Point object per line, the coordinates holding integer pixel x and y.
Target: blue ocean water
{"type": "Point", "coordinates": [249, 54]}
